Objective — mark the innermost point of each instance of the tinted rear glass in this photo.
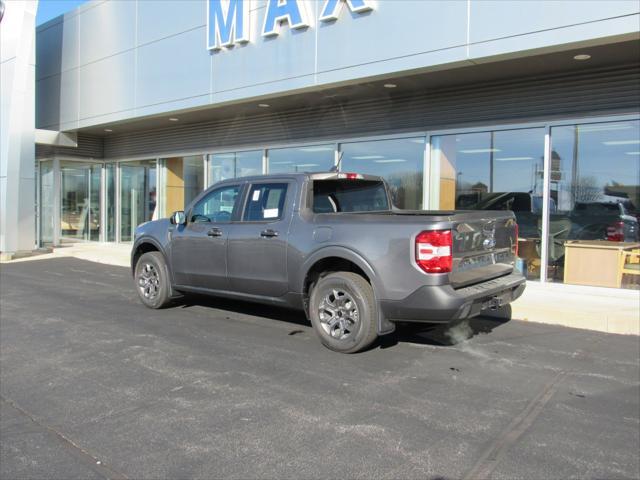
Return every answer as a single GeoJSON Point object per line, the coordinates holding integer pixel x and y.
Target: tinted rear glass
{"type": "Point", "coordinates": [334, 196]}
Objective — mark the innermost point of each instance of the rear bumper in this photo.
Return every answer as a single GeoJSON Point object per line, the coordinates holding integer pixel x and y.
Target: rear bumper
{"type": "Point", "coordinates": [441, 304]}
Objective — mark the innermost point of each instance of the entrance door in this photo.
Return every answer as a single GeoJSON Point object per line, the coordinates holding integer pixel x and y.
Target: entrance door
{"type": "Point", "coordinates": [137, 196]}
{"type": "Point", "coordinates": [80, 201]}
{"type": "Point", "coordinates": [257, 253]}
{"type": "Point", "coordinates": [199, 248]}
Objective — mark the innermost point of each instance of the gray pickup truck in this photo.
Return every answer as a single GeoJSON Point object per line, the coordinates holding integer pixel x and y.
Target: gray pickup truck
{"type": "Point", "coordinates": [332, 245]}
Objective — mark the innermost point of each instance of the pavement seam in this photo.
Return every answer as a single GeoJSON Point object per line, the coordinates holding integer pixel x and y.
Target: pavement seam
{"type": "Point", "coordinates": [496, 451]}
{"type": "Point", "coordinates": [78, 452]}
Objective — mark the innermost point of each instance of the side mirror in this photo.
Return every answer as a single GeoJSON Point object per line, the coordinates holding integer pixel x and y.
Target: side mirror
{"type": "Point", "coordinates": [178, 218]}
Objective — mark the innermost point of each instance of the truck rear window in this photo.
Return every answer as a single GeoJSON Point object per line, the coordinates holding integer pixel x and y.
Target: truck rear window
{"type": "Point", "coordinates": [335, 196]}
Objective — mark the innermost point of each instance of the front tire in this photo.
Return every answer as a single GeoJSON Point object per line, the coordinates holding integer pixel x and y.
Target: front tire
{"type": "Point", "coordinates": [152, 280]}
{"type": "Point", "coordinates": [343, 312]}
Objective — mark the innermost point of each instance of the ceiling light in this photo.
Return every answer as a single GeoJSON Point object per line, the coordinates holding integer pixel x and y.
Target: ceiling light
{"type": "Point", "coordinates": [582, 56]}
{"type": "Point", "coordinates": [622, 142]}
{"type": "Point", "coordinates": [417, 140]}
{"type": "Point", "coordinates": [481, 150]}
{"type": "Point", "coordinates": [108, 130]}
{"type": "Point", "coordinates": [390, 85]}
{"type": "Point", "coordinates": [632, 153]}
{"type": "Point", "coordinates": [307, 165]}
{"type": "Point", "coordinates": [512, 159]}
{"type": "Point", "coordinates": [264, 105]}
{"type": "Point", "coordinates": [606, 127]}
{"type": "Point", "coordinates": [368, 157]}
{"type": "Point", "coordinates": [316, 149]}
{"type": "Point", "coordinates": [173, 119]}
{"type": "Point", "coordinates": [390, 160]}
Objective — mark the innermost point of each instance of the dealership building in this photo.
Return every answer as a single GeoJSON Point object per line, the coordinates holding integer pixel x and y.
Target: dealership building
{"type": "Point", "coordinates": [532, 106]}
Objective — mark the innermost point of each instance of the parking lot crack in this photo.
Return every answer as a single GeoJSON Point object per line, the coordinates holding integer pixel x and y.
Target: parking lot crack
{"type": "Point", "coordinates": [83, 456]}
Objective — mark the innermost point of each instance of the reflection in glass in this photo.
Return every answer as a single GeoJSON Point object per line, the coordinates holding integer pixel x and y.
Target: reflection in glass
{"type": "Point", "coordinates": [137, 196]}
{"type": "Point", "coordinates": [399, 161]}
{"type": "Point", "coordinates": [595, 195]}
{"type": "Point", "coordinates": [234, 164]}
{"type": "Point", "coordinates": [47, 202]}
{"type": "Point", "coordinates": [110, 202]}
{"type": "Point", "coordinates": [80, 198]}
{"type": "Point", "coordinates": [314, 158]}
{"type": "Point", "coordinates": [501, 170]}
{"type": "Point", "coordinates": [184, 180]}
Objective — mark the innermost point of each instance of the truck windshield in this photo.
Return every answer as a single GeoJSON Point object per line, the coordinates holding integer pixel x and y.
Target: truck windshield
{"type": "Point", "coordinates": [334, 196]}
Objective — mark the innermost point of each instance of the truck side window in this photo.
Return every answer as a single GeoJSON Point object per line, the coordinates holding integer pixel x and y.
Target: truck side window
{"type": "Point", "coordinates": [216, 207]}
{"type": "Point", "coordinates": [265, 202]}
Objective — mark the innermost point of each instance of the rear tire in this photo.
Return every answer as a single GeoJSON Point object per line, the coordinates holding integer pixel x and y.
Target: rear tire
{"type": "Point", "coordinates": [152, 280]}
{"type": "Point", "coordinates": [343, 312]}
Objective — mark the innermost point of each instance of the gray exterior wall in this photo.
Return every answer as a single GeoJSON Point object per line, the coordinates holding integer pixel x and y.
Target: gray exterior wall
{"type": "Point", "coordinates": [596, 92]}
{"type": "Point", "coordinates": [113, 60]}
{"type": "Point", "coordinates": [17, 132]}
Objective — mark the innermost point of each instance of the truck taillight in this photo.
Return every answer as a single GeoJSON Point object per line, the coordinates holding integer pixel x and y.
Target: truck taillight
{"type": "Point", "coordinates": [351, 176]}
{"type": "Point", "coordinates": [514, 248]}
{"type": "Point", "coordinates": [434, 251]}
{"type": "Point", "coordinates": [615, 232]}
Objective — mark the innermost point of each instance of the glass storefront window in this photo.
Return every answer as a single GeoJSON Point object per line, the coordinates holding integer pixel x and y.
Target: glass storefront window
{"type": "Point", "coordinates": [234, 164]}
{"type": "Point", "coordinates": [501, 170]}
{"type": "Point", "coordinates": [400, 161]}
{"type": "Point", "coordinates": [594, 199]}
{"type": "Point", "coordinates": [312, 158]}
{"type": "Point", "coordinates": [184, 180]}
{"type": "Point", "coordinates": [47, 202]}
{"type": "Point", "coordinates": [110, 202]}
{"type": "Point", "coordinates": [80, 201]}
{"type": "Point", "coordinates": [138, 200]}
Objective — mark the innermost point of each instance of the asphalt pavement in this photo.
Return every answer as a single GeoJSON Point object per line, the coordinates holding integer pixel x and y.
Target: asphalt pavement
{"type": "Point", "coordinates": [94, 385]}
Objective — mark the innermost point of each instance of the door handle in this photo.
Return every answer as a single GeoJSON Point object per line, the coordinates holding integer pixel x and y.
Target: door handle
{"type": "Point", "coordinates": [268, 233]}
{"type": "Point", "coordinates": [214, 232]}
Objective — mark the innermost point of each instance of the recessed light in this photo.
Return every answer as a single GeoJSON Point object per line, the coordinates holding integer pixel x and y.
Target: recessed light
{"type": "Point", "coordinates": [264, 105]}
{"type": "Point", "coordinates": [390, 85]}
{"type": "Point", "coordinates": [173, 119]}
{"type": "Point", "coordinates": [582, 56]}
{"type": "Point", "coordinates": [621, 142]}
{"type": "Point", "coordinates": [481, 150]}
{"type": "Point", "coordinates": [108, 130]}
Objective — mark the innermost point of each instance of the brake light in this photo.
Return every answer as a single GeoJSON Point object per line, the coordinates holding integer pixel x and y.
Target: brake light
{"type": "Point", "coordinates": [351, 176]}
{"type": "Point", "coordinates": [615, 232]}
{"type": "Point", "coordinates": [433, 251]}
{"type": "Point", "coordinates": [515, 247]}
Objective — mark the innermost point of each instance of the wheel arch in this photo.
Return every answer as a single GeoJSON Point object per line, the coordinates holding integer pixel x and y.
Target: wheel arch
{"type": "Point", "coordinates": [341, 259]}
{"type": "Point", "coordinates": [144, 245]}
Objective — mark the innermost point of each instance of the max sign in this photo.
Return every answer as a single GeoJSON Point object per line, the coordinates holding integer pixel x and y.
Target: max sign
{"type": "Point", "coordinates": [228, 20]}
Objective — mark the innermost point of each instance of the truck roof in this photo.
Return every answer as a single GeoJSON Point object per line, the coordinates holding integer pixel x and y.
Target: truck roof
{"type": "Point", "coordinates": [302, 176]}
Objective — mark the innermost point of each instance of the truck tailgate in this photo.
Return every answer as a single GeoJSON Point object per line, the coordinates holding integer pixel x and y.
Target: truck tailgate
{"type": "Point", "coordinates": [484, 247]}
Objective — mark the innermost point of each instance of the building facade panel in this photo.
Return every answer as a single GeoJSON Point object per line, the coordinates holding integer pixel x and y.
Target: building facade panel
{"type": "Point", "coordinates": [263, 61]}
{"type": "Point", "coordinates": [158, 19]}
{"type": "Point", "coordinates": [376, 36]}
{"type": "Point", "coordinates": [602, 91]}
{"type": "Point", "coordinates": [106, 29]}
{"type": "Point", "coordinates": [494, 19]}
{"type": "Point", "coordinates": [107, 86]}
{"type": "Point", "coordinates": [177, 60]}
{"type": "Point", "coordinates": [393, 38]}
{"type": "Point", "coordinates": [58, 46]}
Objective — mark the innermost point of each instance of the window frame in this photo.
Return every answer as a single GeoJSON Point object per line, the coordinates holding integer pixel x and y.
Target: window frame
{"type": "Point", "coordinates": [240, 186]}
{"type": "Point", "coordinates": [247, 193]}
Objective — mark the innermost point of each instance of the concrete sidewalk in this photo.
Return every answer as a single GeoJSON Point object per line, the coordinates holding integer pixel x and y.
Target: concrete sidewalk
{"type": "Point", "coordinates": [602, 309]}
